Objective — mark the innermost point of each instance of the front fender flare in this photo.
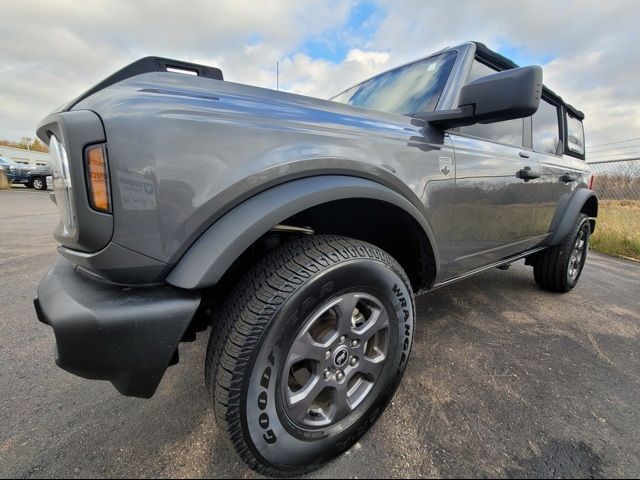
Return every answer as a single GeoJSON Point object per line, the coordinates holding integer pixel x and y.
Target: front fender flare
{"type": "Point", "coordinates": [222, 243]}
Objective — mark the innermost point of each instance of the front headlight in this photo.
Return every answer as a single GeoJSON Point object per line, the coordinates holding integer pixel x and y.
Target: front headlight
{"type": "Point", "coordinates": [62, 186]}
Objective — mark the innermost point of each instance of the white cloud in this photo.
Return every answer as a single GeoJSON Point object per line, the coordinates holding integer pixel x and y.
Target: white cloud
{"type": "Point", "coordinates": [304, 75]}
{"type": "Point", "coordinates": [52, 51]}
{"type": "Point", "coordinates": [595, 45]}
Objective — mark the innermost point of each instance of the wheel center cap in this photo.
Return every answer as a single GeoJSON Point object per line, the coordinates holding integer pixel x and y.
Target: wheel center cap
{"type": "Point", "coordinates": [340, 357]}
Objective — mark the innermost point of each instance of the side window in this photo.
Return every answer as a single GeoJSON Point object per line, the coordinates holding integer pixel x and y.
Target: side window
{"type": "Point", "coordinates": [575, 135]}
{"type": "Point", "coordinates": [407, 90]}
{"type": "Point", "coordinates": [546, 129]}
{"type": "Point", "coordinates": [508, 132]}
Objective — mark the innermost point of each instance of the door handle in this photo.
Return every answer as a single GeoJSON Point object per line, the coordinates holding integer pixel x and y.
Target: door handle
{"type": "Point", "coordinates": [568, 177]}
{"type": "Point", "coordinates": [524, 154]}
{"type": "Point", "coordinates": [526, 174]}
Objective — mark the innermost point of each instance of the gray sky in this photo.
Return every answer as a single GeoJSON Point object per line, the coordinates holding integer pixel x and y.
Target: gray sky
{"type": "Point", "coordinates": [51, 51]}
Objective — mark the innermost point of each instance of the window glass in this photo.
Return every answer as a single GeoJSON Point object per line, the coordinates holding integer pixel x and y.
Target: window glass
{"type": "Point", "coordinates": [546, 129]}
{"type": "Point", "coordinates": [575, 135]}
{"type": "Point", "coordinates": [508, 132]}
{"type": "Point", "coordinates": [407, 90]}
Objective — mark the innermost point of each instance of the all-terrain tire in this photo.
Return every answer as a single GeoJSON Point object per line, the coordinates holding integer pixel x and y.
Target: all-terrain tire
{"type": "Point", "coordinates": [266, 314]}
{"type": "Point", "coordinates": [558, 268]}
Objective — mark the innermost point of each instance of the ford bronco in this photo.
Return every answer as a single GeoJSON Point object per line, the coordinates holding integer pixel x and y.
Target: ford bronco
{"type": "Point", "coordinates": [299, 230]}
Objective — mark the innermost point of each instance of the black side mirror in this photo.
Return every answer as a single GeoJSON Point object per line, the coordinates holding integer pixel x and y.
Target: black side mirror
{"type": "Point", "coordinates": [501, 96]}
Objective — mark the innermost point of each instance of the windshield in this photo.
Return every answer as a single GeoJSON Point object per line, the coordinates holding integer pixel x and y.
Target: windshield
{"type": "Point", "coordinates": [6, 161]}
{"type": "Point", "coordinates": [406, 90]}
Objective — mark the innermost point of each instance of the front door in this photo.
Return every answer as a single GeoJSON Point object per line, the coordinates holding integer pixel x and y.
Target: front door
{"type": "Point", "coordinates": [494, 209]}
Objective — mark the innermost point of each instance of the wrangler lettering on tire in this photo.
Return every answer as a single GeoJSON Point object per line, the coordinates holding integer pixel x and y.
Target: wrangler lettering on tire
{"type": "Point", "coordinates": [311, 347]}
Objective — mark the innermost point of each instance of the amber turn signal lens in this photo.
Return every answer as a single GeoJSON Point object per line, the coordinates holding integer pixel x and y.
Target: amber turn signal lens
{"type": "Point", "coordinates": [98, 178]}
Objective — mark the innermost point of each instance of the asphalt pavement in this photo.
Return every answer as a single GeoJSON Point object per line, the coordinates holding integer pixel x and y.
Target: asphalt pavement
{"type": "Point", "coordinates": [505, 380]}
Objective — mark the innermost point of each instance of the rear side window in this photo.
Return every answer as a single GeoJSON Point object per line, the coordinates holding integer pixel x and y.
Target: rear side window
{"type": "Point", "coordinates": [546, 129]}
{"type": "Point", "coordinates": [508, 132]}
{"type": "Point", "coordinates": [575, 135]}
{"type": "Point", "coordinates": [407, 90]}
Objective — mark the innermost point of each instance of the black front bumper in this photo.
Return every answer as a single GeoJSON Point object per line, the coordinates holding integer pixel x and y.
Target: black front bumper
{"type": "Point", "coordinates": [126, 335]}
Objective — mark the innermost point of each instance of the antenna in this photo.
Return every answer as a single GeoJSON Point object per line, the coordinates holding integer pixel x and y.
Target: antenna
{"type": "Point", "coordinates": [277, 75]}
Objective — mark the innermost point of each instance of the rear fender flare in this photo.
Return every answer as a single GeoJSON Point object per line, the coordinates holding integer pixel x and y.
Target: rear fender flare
{"type": "Point", "coordinates": [567, 211]}
{"type": "Point", "coordinates": [206, 261]}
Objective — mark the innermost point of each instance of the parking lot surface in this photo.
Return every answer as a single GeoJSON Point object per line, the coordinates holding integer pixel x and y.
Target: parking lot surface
{"type": "Point", "coordinates": [505, 380]}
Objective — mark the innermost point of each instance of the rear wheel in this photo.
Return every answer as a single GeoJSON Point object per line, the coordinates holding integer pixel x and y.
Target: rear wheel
{"type": "Point", "coordinates": [310, 348]}
{"type": "Point", "coordinates": [558, 268]}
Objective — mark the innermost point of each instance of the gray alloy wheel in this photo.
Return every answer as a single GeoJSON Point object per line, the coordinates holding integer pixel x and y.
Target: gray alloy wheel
{"type": "Point", "coordinates": [336, 359]}
{"type": "Point", "coordinates": [577, 255]}
{"type": "Point", "coordinates": [39, 183]}
{"type": "Point", "coordinates": [558, 268]}
{"type": "Point", "coordinates": [308, 350]}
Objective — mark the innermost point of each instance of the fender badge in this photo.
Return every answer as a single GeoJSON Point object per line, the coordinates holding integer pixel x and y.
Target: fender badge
{"type": "Point", "coordinates": [445, 165]}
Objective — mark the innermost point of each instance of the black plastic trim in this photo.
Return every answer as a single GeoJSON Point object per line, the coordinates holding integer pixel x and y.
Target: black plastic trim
{"type": "Point", "coordinates": [147, 65]}
{"type": "Point", "coordinates": [128, 336]}
{"type": "Point", "coordinates": [567, 211]}
{"type": "Point", "coordinates": [222, 243]}
{"type": "Point", "coordinates": [119, 264]}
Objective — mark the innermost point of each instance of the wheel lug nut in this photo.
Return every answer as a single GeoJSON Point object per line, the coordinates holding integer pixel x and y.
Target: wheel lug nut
{"type": "Point", "coordinates": [353, 361]}
{"type": "Point", "coordinates": [355, 343]}
{"type": "Point", "coordinates": [339, 375]}
{"type": "Point", "coordinates": [326, 374]}
{"type": "Point", "coordinates": [342, 339]}
{"type": "Point", "coordinates": [328, 354]}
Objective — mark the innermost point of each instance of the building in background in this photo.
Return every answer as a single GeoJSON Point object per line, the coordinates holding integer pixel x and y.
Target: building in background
{"type": "Point", "coordinates": [26, 157]}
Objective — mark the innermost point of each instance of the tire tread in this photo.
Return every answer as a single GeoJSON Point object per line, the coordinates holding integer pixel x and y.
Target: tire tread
{"type": "Point", "coordinates": [246, 313]}
{"type": "Point", "coordinates": [550, 265]}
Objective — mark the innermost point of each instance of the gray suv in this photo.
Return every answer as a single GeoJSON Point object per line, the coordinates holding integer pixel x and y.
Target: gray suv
{"type": "Point", "coordinates": [300, 230]}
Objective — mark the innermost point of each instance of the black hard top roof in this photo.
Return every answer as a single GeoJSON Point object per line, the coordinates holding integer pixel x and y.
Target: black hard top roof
{"type": "Point", "coordinates": [503, 63]}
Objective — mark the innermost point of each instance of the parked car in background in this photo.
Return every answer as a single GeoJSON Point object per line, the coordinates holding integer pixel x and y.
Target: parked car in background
{"type": "Point", "coordinates": [16, 172]}
{"type": "Point", "coordinates": [28, 175]}
{"type": "Point", "coordinates": [37, 178]}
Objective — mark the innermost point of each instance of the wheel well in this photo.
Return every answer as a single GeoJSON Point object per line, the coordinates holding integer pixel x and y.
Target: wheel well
{"type": "Point", "coordinates": [374, 221]}
{"type": "Point", "coordinates": [381, 224]}
{"type": "Point", "coordinates": [590, 208]}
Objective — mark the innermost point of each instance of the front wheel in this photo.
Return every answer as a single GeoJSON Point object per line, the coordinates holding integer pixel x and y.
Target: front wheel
{"type": "Point", "coordinates": [310, 348]}
{"type": "Point", "coordinates": [558, 268]}
{"type": "Point", "coordinates": [39, 183]}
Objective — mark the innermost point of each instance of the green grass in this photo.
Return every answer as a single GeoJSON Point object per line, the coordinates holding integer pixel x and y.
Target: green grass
{"type": "Point", "coordinates": [618, 228]}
